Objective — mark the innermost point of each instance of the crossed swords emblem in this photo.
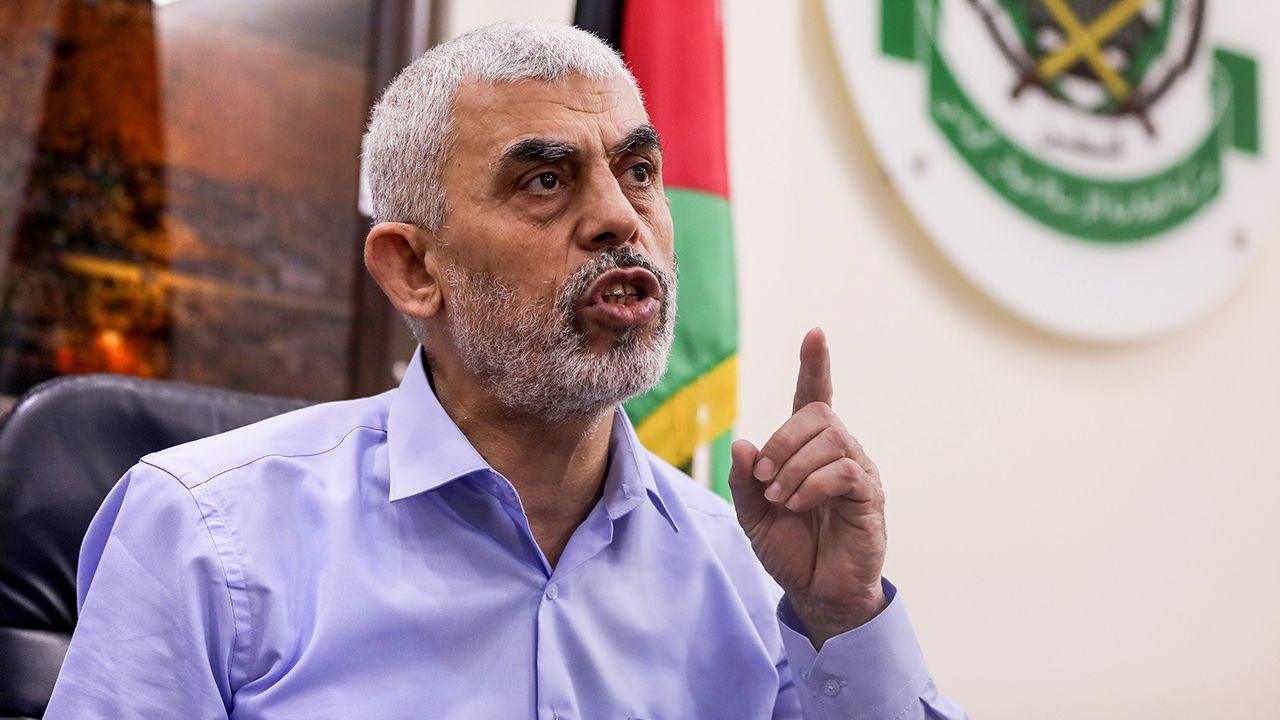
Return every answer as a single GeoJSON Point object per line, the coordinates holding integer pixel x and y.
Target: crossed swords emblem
{"type": "Point", "coordinates": [1084, 43]}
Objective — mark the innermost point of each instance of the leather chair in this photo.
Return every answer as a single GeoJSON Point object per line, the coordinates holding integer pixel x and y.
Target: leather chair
{"type": "Point", "coordinates": [62, 448]}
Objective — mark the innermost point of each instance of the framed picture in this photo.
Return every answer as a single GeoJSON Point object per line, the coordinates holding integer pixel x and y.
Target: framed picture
{"type": "Point", "coordinates": [178, 191]}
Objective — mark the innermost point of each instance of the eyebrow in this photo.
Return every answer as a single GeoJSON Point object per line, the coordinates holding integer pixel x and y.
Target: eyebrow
{"type": "Point", "coordinates": [542, 150]}
{"type": "Point", "coordinates": [536, 150]}
{"type": "Point", "coordinates": [642, 136]}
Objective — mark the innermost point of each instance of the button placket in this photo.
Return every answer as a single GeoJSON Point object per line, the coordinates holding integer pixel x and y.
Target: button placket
{"type": "Point", "coordinates": [832, 687]}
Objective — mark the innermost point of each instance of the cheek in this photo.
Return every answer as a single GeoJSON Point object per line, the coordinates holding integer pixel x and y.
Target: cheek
{"type": "Point", "coordinates": [535, 269]}
{"type": "Point", "coordinates": [508, 250]}
{"type": "Point", "coordinates": [663, 233]}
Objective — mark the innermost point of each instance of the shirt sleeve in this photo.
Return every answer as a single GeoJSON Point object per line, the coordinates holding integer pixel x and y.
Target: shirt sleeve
{"type": "Point", "coordinates": [873, 672]}
{"type": "Point", "coordinates": [156, 628]}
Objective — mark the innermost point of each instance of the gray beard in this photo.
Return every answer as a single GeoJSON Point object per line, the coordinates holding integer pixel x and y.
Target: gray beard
{"type": "Point", "coordinates": [537, 362]}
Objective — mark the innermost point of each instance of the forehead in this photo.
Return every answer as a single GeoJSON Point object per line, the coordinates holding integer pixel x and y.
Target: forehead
{"type": "Point", "coordinates": [588, 112]}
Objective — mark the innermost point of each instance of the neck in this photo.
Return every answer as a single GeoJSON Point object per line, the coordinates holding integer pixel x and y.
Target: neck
{"type": "Point", "coordinates": [557, 467]}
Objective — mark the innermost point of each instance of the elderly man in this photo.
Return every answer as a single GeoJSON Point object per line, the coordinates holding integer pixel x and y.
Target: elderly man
{"type": "Point", "coordinates": [490, 540]}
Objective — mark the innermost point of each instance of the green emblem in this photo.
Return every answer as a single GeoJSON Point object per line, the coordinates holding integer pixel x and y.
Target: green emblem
{"type": "Point", "coordinates": [1103, 56]}
{"type": "Point", "coordinates": [1113, 59]}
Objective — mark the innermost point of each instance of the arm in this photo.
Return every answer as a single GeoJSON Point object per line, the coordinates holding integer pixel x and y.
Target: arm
{"type": "Point", "coordinates": [873, 672]}
{"type": "Point", "coordinates": [156, 628]}
{"type": "Point", "coordinates": [812, 504]}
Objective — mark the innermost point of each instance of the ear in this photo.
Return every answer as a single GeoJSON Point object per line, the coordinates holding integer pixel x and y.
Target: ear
{"type": "Point", "coordinates": [400, 258]}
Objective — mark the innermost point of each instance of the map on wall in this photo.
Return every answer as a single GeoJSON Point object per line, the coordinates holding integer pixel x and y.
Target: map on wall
{"type": "Point", "coordinates": [1099, 167]}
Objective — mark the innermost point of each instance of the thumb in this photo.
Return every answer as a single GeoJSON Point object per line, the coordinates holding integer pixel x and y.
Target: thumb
{"type": "Point", "coordinates": [748, 493]}
{"type": "Point", "coordinates": [814, 381]}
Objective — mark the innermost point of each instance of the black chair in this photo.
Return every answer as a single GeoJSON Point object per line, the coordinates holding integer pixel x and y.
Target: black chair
{"type": "Point", "coordinates": [62, 448]}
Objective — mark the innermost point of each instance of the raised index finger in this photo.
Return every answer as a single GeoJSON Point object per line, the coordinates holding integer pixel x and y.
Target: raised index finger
{"type": "Point", "coordinates": [814, 382]}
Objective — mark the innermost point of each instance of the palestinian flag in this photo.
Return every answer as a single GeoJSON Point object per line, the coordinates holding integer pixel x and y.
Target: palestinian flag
{"type": "Point", "coordinates": [676, 51]}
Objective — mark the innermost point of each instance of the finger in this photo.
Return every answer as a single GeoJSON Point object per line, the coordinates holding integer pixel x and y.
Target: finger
{"type": "Point", "coordinates": [842, 478]}
{"type": "Point", "coordinates": [814, 382]}
{"type": "Point", "coordinates": [830, 444]}
{"type": "Point", "coordinates": [859, 454]}
{"type": "Point", "coordinates": [794, 433]}
{"type": "Point", "coordinates": [748, 495]}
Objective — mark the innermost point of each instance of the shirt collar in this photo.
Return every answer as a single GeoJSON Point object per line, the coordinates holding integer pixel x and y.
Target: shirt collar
{"type": "Point", "coordinates": [630, 473]}
{"type": "Point", "coordinates": [427, 450]}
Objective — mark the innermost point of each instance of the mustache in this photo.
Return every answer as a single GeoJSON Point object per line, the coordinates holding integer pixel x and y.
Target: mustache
{"type": "Point", "coordinates": [614, 258]}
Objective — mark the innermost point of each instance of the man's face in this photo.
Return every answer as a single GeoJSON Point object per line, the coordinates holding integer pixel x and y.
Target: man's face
{"type": "Point", "coordinates": [560, 277]}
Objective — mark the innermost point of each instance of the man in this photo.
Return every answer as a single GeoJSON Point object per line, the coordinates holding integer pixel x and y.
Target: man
{"type": "Point", "coordinates": [490, 540]}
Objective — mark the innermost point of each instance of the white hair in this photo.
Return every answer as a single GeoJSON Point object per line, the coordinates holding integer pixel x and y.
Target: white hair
{"type": "Point", "coordinates": [409, 136]}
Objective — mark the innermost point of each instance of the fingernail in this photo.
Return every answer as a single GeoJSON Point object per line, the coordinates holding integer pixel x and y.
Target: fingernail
{"type": "Point", "coordinates": [765, 470]}
{"type": "Point", "coordinates": [792, 502]}
{"type": "Point", "coordinates": [773, 492]}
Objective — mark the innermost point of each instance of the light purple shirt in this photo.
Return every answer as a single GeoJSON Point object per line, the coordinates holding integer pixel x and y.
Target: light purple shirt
{"type": "Point", "coordinates": [359, 559]}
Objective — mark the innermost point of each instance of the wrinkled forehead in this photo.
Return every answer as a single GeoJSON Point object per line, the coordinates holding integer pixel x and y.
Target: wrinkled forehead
{"type": "Point", "coordinates": [593, 114]}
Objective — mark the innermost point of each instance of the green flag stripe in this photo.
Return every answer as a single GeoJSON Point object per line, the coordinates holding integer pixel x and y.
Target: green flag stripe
{"type": "Point", "coordinates": [707, 305]}
{"type": "Point", "coordinates": [720, 461]}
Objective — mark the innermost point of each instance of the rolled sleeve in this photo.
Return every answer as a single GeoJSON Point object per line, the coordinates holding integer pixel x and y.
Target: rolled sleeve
{"type": "Point", "coordinates": [873, 672]}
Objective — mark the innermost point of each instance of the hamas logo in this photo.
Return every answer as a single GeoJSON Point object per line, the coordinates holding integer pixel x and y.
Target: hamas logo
{"type": "Point", "coordinates": [1101, 56]}
{"type": "Point", "coordinates": [1105, 120]}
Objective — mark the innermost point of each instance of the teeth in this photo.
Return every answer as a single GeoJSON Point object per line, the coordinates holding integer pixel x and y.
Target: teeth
{"type": "Point", "coordinates": [621, 293]}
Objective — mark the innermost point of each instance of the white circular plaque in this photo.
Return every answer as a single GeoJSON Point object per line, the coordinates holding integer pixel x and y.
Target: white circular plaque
{"type": "Point", "coordinates": [1100, 167]}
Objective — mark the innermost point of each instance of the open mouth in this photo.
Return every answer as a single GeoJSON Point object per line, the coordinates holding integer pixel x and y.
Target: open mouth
{"type": "Point", "coordinates": [623, 297]}
{"type": "Point", "coordinates": [624, 286]}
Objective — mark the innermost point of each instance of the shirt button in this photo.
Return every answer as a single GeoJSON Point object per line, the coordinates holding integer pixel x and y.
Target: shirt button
{"type": "Point", "coordinates": [553, 591]}
{"type": "Point", "coordinates": [831, 687]}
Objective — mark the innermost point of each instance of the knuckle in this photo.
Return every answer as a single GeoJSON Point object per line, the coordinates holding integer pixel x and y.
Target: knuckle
{"type": "Point", "coordinates": [848, 468]}
{"type": "Point", "coordinates": [820, 409]}
{"type": "Point", "coordinates": [781, 444]}
{"type": "Point", "coordinates": [835, 437]}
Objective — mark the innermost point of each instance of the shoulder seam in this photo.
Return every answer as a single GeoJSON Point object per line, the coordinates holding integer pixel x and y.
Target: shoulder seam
{"type": "Point", "coordinates": [285, 455]}
{"type": "Point", "coordinates": [222, 564]}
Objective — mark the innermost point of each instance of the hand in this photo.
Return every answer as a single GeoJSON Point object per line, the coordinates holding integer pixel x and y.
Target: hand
{"type": "Point", "coordinates": [812, 505]}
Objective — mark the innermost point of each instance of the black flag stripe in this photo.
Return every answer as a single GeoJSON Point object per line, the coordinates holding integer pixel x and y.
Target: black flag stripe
{"type": "Point", "coordinates": [602, 17]}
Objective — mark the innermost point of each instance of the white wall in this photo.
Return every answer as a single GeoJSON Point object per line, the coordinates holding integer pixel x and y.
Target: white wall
{"type": "Point", "coordinates": [1079, 531]}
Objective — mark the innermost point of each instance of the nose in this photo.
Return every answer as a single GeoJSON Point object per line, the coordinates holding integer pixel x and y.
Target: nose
{"type": "Point", "coordinates": [608, 217]}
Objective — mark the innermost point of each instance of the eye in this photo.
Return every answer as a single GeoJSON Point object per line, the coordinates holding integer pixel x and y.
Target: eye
{"type": "Point", "coordinates": [641, 173]}
{"type": "Point", "coordinates": [544, 183]}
